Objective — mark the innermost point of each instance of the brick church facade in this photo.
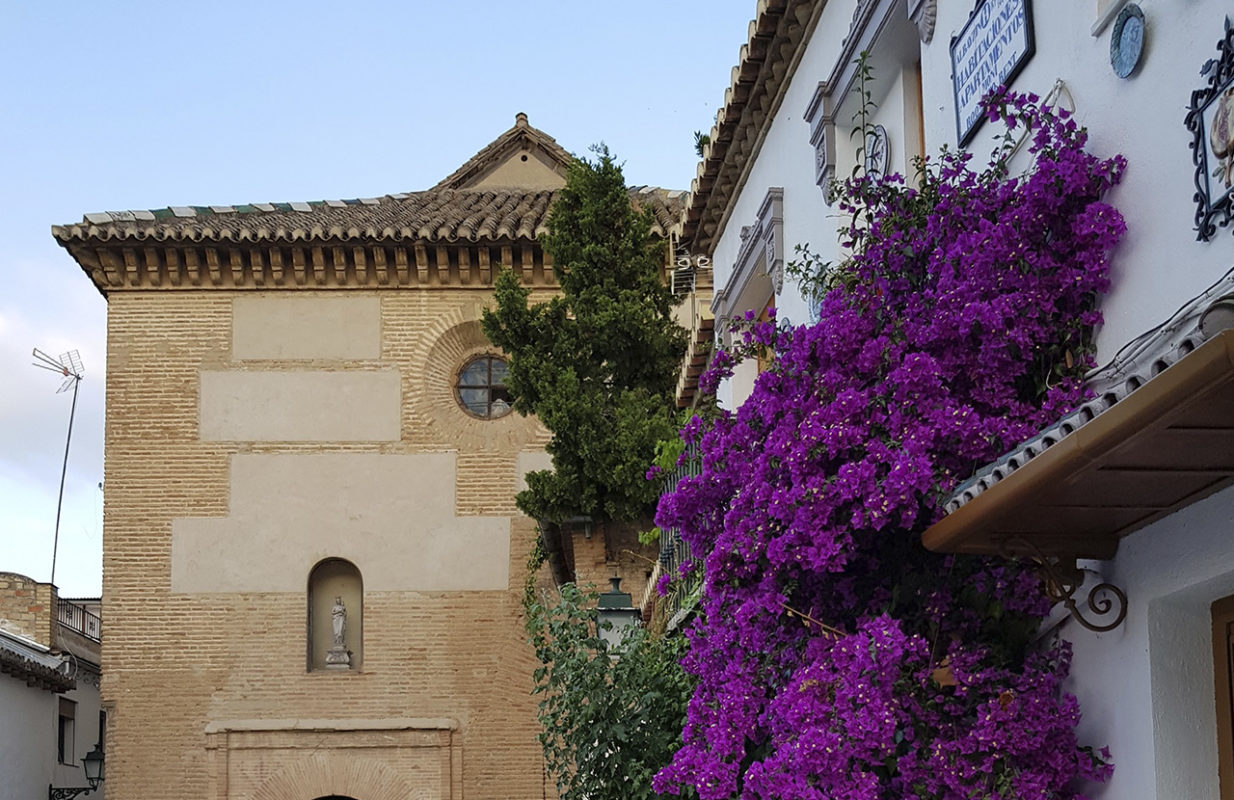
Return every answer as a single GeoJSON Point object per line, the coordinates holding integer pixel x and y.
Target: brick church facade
{"type": "Point", "coordinates": [313, 563]}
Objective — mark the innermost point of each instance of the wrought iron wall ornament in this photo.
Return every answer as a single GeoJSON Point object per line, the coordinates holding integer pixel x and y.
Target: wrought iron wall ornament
{"type": "Point", "coordinates": [1210, 118]}
{"type": "Point", "coordinates": [66, 792]}
{"type": "Point", "coordinates": [1063, 581]}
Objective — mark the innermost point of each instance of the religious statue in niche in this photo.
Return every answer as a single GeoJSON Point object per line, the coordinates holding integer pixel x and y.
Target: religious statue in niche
{"type": "Point", "coordinates": [338, 656]}
{"type": "Point", "coordinates": [1210, 118]}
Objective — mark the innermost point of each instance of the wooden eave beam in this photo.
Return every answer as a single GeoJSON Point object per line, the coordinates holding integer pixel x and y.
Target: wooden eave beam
{"type": "Point", "coordinates": [993, 520]}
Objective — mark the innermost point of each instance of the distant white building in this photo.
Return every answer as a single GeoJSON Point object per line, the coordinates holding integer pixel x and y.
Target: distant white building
{"type": "Point", "coordinates": [49, 688]}
{"type": "Point", "coordinates": [1132, 489]}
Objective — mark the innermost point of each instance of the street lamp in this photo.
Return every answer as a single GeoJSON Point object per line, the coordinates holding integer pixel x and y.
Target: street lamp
{"type": "Point", "coordinates": [616, 608]}
{"type": "Point", "coordinates": [92, 763]}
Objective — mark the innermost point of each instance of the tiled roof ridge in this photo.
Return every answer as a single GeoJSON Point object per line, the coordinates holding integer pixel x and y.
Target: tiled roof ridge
{"type": "Point", "coordinates": [478, 214]}
{"type": "Point", "coordinates": [1138, 362]}
{"type": "Point", "coordinates": [775, 37]}
{"type": "Point", "coordinates": [495, 150]}
{"type": "Point", "coordinates": [27, 661]}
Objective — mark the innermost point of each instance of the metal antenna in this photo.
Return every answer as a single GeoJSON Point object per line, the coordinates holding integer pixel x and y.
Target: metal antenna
{"type": "Point", "coordinates": [68, 365]}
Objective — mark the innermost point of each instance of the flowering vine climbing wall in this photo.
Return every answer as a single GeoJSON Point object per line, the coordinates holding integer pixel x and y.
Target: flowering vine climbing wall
{"type": "Point", "coordinates": [835, 657]}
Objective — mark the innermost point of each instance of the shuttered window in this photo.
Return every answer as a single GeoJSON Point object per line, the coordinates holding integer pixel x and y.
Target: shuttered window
{"type": "Point", "coordinates": [1223, 671]}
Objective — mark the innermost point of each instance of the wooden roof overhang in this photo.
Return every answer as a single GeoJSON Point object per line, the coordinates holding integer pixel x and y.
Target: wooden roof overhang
{"type": "Point", "coordinates": [313, 264]}
{"type": "Point", "coordinates": [1161, 448]}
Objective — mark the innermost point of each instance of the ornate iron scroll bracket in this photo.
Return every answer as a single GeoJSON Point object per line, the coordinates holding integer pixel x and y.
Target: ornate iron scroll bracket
{"type": "Point", "coordinates": [1064, 580]}
{"type": "Point", "coordinates": [67, 792]}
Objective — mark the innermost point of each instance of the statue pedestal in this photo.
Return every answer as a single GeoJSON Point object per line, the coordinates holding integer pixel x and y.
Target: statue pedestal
{"type": "Point", "coordinates": [338, 658]}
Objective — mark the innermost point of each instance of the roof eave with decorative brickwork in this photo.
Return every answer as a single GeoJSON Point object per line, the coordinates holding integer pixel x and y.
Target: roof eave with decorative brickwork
{"type": "Point", "coordinates": [444, 236]}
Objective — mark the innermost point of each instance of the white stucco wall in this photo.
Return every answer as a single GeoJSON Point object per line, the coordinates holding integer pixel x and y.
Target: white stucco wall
{"type": "Point", "coordinates": [1159, 264]}
{"type": "Point", "coordinates": [1146, 688]}
{"type": "Point", "coordinates": [85, 735]}
{"type": "Point", "coordinates": [27, 738]}
{"type": "Point", "coordinates": [786, 159]}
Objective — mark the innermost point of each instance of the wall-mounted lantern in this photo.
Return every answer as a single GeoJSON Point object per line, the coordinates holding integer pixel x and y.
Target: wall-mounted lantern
{"type": "Point", "coordinates": [616, 608]}
{"type": "Point", "coordinates": [92, 763]}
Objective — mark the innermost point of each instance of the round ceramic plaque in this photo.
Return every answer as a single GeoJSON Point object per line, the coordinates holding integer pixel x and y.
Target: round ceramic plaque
{"type": "Point", "coordinates": [1127, 40]}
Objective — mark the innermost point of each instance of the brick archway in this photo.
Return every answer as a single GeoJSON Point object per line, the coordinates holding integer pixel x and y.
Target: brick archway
{"type": "Point", "coordinates": [333, 777]}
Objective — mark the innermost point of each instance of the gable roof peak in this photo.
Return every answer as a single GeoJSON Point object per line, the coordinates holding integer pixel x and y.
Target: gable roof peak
{"type": "Point", "coordinates": [523, 157]}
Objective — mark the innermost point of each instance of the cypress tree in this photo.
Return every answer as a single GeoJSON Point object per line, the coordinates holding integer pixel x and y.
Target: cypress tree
{"type": "Point", "coordinates": [598, 363]}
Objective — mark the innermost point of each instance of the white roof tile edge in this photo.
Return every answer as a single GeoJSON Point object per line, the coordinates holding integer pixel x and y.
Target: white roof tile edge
{"type": "Point", "coordinates": [1138, 362]}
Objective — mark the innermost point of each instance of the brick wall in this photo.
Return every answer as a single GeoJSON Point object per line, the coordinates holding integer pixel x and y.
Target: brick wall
{"type": "Point", "coordinates": [176, 665]}
{"type": "Point", "coordinates": [28, 608]}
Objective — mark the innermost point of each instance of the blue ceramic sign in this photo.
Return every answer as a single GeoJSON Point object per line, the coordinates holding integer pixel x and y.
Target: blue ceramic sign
{"type": "Point", "coordinates": [995, 44]}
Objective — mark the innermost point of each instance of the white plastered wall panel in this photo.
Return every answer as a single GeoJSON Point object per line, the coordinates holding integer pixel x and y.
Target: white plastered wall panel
{"type": "Point", "coordinates": [786, 159]}
{"type": "Point", "coordinates": [1146, 688]}
{"type": "Point", "coordinates": [26, 759]}
{"type": "Point", "coordinates": [1159, 264]}
{"type": "Point", "coordinates": [392, 516]}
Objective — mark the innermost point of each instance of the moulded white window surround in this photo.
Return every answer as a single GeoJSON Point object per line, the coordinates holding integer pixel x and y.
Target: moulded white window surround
{"type": "Point", "coordinates": [882, 29]}
{"type": "Point", "coordinates": [820, 116]}
{"type": "Point", "coordinates": [759, 270]}
{"type": "Point", "coordinates": [1107, 10]}
{"type": "Point", "coordinates": [924, 14]}
{"type": "Point", "coordinates": [891, 32]}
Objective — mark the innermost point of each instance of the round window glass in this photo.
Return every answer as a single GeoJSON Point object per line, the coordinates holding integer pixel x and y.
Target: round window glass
{"type": "Point", "coordinates": [482, 387]}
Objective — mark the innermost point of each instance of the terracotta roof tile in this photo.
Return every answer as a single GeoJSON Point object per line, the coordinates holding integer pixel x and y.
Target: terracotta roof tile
{"type": "Point", "coordinates": [439, 215]}
{"type": "Point", "coordinates": [775, 37]}
{"type": "Point", "coordinates": [33, 664]}
{"type": "Point", "coordinates": [521, 135]}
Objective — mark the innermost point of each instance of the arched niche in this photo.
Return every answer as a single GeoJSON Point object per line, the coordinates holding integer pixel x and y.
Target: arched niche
{"type": "Point", "coordinates": [335, 606]}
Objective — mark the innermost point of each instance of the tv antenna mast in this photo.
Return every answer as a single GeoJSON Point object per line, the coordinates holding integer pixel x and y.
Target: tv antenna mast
{"type": "Point", "coordinates": [68, 365]}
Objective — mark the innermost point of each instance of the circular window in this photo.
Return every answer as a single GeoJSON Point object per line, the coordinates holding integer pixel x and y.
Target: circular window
{"type": "Point", "coordinates": [481, 388]}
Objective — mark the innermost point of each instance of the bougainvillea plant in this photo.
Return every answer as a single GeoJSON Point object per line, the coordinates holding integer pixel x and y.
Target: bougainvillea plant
{"type": "Point", "coordinates": [835, 657]}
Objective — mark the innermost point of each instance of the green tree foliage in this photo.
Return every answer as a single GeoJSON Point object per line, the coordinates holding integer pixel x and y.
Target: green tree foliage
{"type": "Point", "coordinates": [598, 363]}
{"type": "Point", "coordinates": [610, 718]}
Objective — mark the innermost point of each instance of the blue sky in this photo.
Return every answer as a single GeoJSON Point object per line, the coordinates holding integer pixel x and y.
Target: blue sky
{"type": "Point", "coordinates": [132, 105]}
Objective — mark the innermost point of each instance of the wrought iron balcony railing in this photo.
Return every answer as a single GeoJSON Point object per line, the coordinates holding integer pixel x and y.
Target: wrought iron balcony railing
{"type": "Point", "coordinates": [77, 618]}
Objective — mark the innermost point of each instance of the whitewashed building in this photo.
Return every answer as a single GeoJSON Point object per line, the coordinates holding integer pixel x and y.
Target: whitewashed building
{"type": "Point", "coordinates": [1132, 489]}
{"type": "Point", "coordinates": [51, 716]}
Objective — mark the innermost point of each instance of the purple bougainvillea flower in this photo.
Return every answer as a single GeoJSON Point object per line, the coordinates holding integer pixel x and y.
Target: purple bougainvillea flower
{"type": "Point", "coordinates": [835, 656]}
